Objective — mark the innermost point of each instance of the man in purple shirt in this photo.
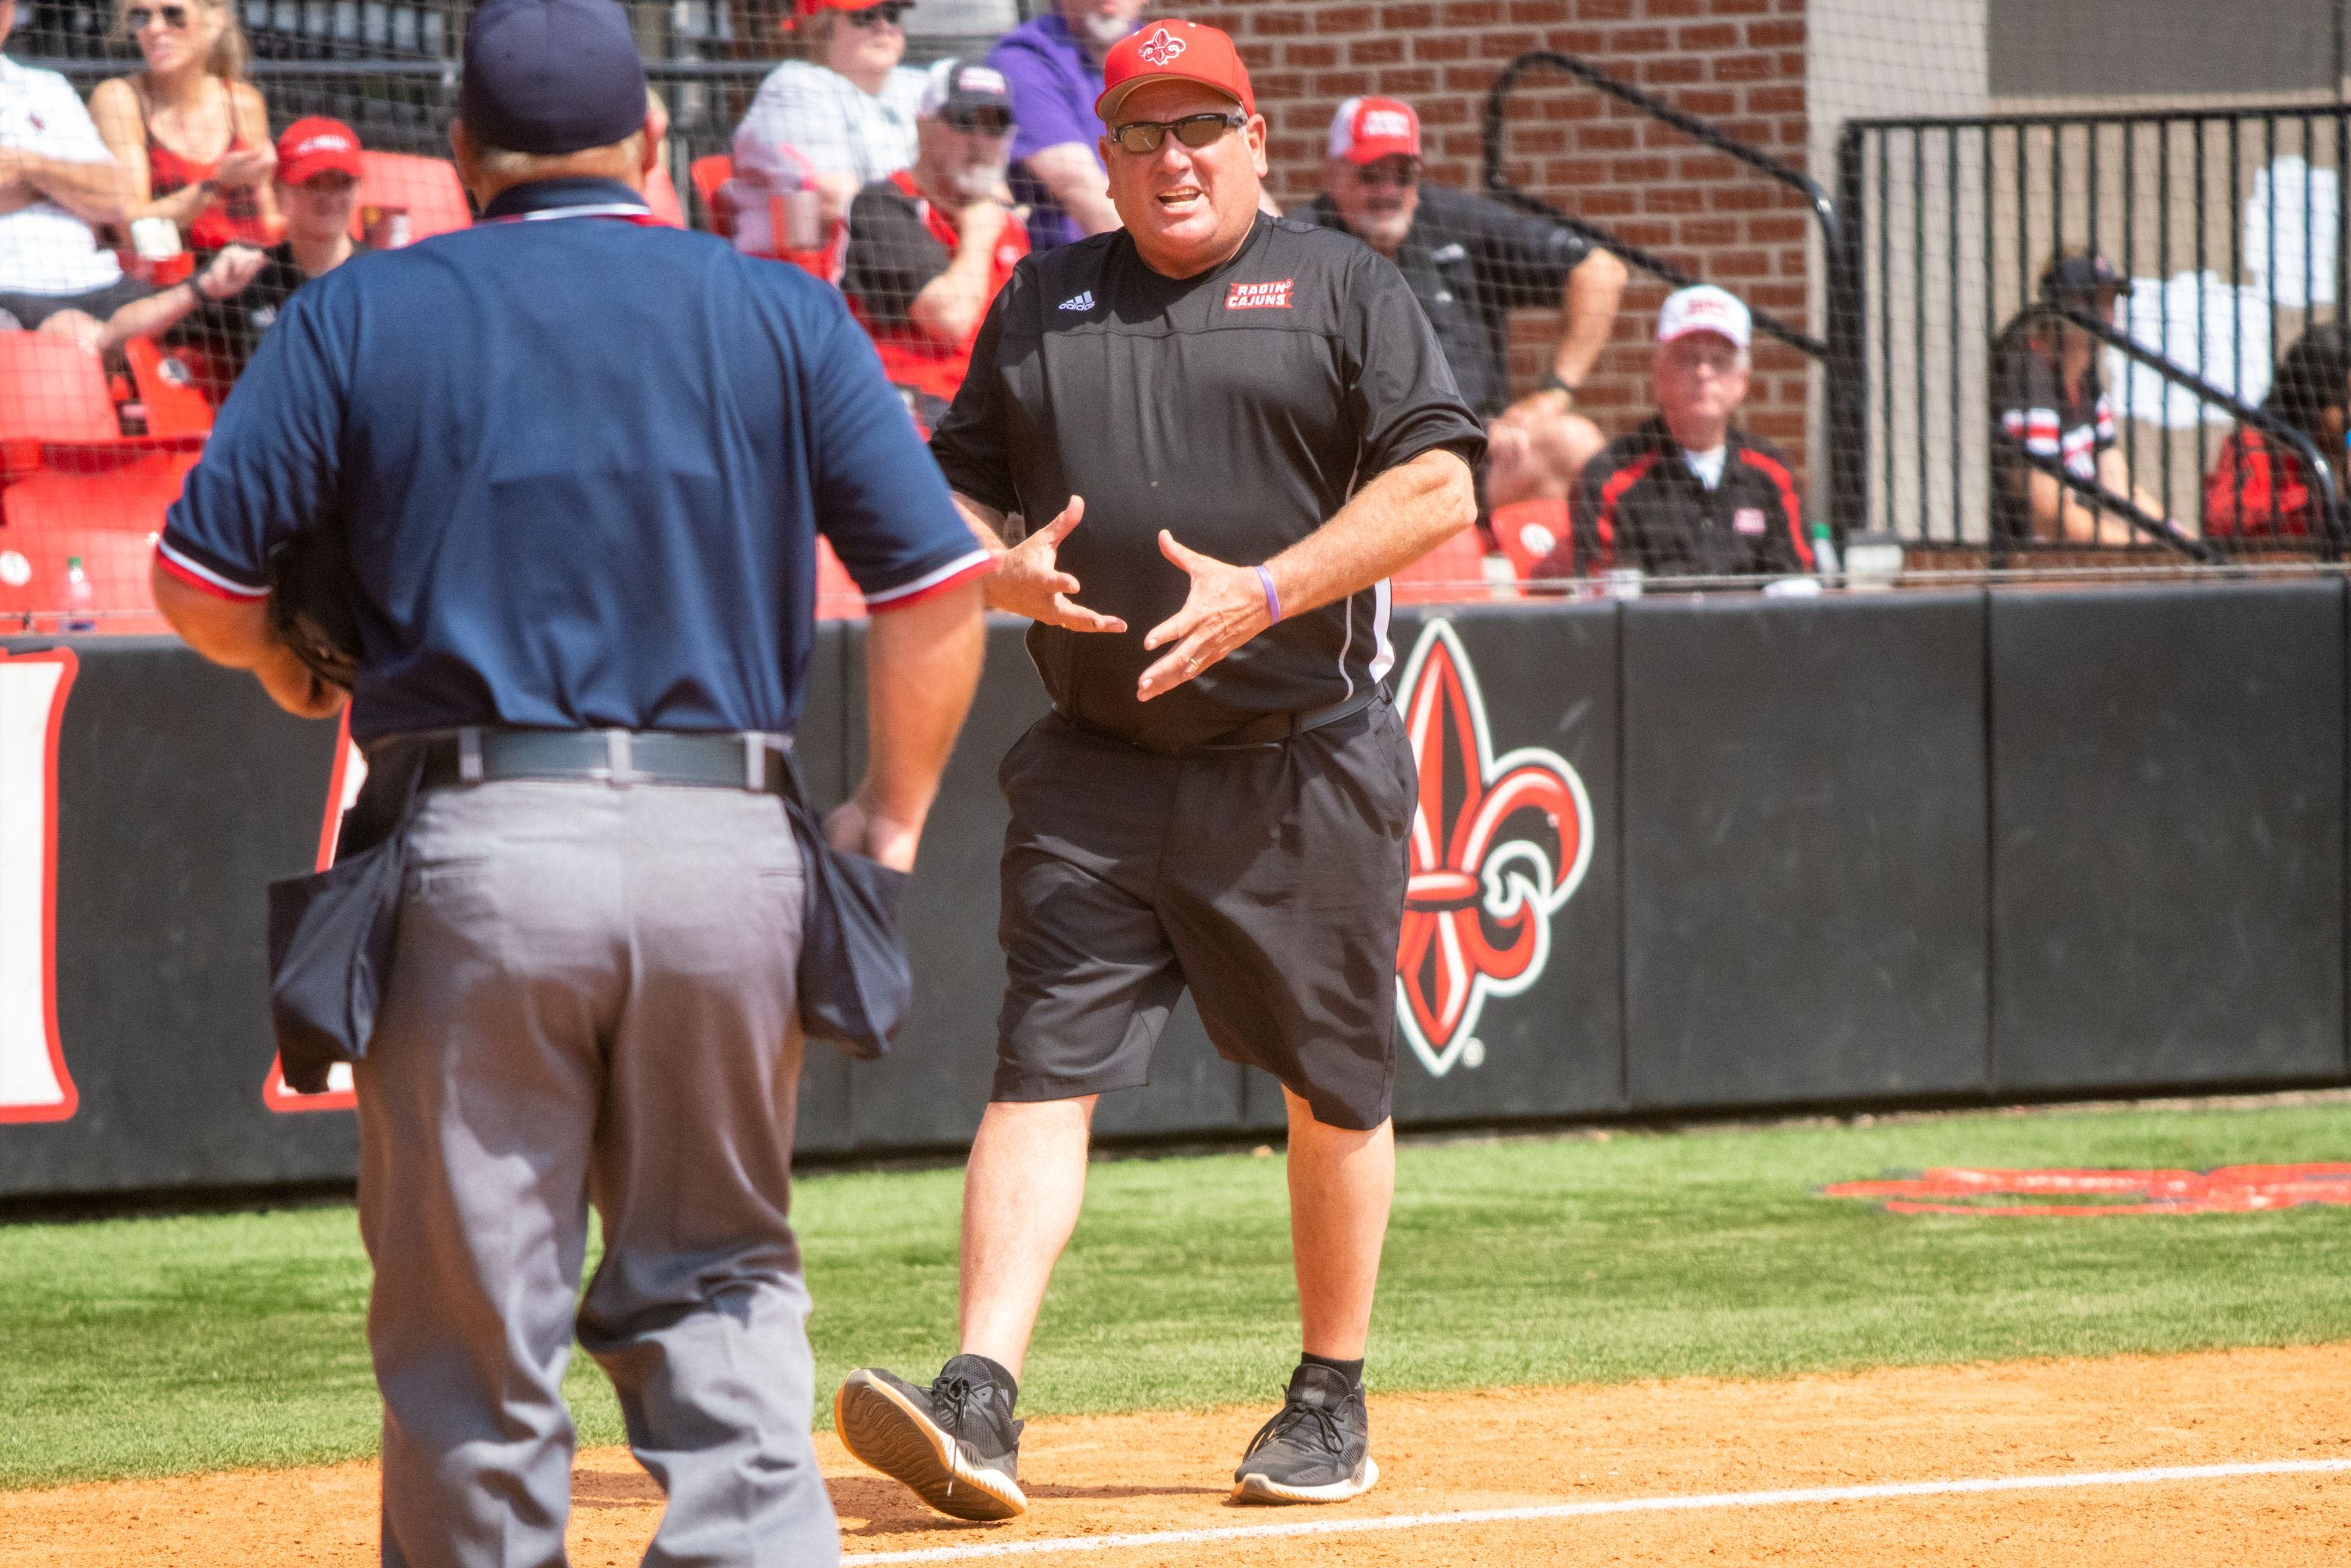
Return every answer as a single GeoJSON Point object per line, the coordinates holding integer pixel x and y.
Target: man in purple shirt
{"type": "Point", "coordinates": [1053, 64]}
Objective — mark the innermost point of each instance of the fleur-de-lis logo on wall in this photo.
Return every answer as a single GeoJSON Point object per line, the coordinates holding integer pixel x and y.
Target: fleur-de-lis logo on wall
{"type": "Point", "coordinates": [1161, 49]}
{"type": "Point", "coordinates": [1497, 846]}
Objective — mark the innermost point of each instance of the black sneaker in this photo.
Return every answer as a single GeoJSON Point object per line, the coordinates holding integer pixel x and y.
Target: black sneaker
{"type": "Point", "coordinates": [954, 1443]}
{"type": "Point", "coordinates": [1317, 1449]}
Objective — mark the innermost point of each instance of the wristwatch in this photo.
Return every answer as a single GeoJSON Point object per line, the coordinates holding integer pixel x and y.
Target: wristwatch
{"type": "Point", "coordinates": [1550, 383]}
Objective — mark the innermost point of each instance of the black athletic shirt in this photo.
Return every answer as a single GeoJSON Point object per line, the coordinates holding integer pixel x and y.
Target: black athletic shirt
{"type": "Point", "coordinates": [1471, 262]}
{"type": "Point", "coordinates": [1239, 410]}
{"type": "Point", "coordinates": [228, 331]}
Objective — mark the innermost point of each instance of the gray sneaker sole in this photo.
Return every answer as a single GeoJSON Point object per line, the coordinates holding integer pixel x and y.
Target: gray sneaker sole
{"type": "Point", "coordinates": [885, 1432]}
{"type": "Point", "coordinates": [1255, 1488]}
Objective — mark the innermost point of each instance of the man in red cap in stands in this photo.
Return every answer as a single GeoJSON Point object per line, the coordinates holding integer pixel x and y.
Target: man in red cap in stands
{"type": "Point", "coordinates": [318, 179]}
{"type": "Point", "coordinates": [1257, 427]}
{"type": "Point", "coordinates": [1470, 261]}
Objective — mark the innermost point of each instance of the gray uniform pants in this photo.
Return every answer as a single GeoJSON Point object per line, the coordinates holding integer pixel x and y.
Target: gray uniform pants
{"type": "Point", "coordinates": [591, 1001]}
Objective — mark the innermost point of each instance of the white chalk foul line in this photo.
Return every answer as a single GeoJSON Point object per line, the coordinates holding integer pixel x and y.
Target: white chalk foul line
{"type": "Point", "coordinates": [1876, 1494]}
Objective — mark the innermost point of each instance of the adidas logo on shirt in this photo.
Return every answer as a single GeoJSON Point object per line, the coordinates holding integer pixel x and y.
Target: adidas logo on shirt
{"type": "Point", "coordinates": [1083, 302]}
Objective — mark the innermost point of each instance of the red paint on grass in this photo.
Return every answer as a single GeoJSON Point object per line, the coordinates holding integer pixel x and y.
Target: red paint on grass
{"type": "Point", "coordinates": [2233, 1190]}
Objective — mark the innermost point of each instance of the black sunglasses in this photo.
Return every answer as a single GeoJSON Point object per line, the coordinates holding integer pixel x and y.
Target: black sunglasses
{"type": "Point", "coordinates": [888, 11]}
{"type": "Point", "coordinates": [1192, 131]}
{"type": "Point", "coordinates": [136, 18]}
{"type": "Point", "coordinates": [1401, 172]}
{"type": "Point", "coordinates": [985, 122]}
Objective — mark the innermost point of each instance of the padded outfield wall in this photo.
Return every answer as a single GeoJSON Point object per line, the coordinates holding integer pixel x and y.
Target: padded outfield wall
{"type": "Point", "coordinates": [1675, 855]}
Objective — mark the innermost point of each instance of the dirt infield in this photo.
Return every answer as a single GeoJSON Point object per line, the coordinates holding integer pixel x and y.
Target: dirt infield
{"type": "Point", "coordinates": [1712, 1445]}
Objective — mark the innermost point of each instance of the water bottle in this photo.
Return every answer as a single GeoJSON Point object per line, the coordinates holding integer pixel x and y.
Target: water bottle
{"type": "Point", "coordinates": [1824, 556]}
{"type": "Point", "coordinates": [81, 598]}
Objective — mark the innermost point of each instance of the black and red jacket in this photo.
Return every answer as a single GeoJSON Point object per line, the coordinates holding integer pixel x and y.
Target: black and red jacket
{"type": "Point", "coordinates": [1638, 504]}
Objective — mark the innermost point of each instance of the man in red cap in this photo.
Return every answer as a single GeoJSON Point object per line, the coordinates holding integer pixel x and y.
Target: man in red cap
{"type": "Point", "coordinates": [1256, 426]}
{"type": "Point", "coordinates": [1470, 261]}
{"type": "Point", "coordinates": [318, 188]}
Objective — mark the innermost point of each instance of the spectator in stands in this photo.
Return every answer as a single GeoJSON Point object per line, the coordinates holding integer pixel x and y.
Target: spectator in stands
{"type": "Point", "coordinates": [191, 135]}
{"type": "Point", "coordinates": [836, 121]}
{"type": "Point", "coordinates": [318, 188]}
{"type": "Point", "coordinates": [57, 181]}
{"type": "Point", "coordinates": [1053, 64]}
{"type": "Point", "coordinates": [1689, 493]}
{"type": "Point", "coordinates": [930, 246]}
{"type": "Point", "coordinates": [2257, 486]}
{"type": "Point", "coordinates": [1470, 261]}
{"type": "Point", "coordinates": [2049, 401]}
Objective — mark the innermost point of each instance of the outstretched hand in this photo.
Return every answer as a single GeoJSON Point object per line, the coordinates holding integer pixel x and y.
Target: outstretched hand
{"type": "Point", "coordinates": [1026, 581]}
{"type": "Point", "coordinates": [1225, 609]}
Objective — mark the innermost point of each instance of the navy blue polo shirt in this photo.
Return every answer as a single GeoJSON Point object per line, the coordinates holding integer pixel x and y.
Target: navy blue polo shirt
{"type": "Point", "coordinates": [583, 459]}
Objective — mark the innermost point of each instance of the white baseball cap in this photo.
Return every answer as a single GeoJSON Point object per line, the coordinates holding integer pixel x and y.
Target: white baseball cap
{"type": "Point", "coordinates": [1704, 309]}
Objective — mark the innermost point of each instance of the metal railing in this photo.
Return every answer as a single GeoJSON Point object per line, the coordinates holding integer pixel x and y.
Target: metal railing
{"type": "Point", "coordinates": [1836, 354]}
{"type": "Point", "coordinates": [2229, 224]}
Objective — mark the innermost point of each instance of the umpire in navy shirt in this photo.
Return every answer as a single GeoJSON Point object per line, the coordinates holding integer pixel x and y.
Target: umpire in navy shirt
{"type": "Point", "coordinates": [582, 460]}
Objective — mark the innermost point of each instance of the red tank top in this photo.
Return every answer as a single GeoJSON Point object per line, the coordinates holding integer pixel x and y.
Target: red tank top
{"type": "Point", "coordinates": [232, 217]}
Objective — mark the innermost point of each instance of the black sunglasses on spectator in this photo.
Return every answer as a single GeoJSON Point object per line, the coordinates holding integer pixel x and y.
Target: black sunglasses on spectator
{"type": "Point", "coordinates": [986, 122]}
{"type": "Point", "coordinates": [1401, 172]}
{"type": "Point", "coordinates": [1193, 130]}
{"type": "Point", "coordinates": [174, 18]}
{"type": "Point", "coordinates": [888, 11]}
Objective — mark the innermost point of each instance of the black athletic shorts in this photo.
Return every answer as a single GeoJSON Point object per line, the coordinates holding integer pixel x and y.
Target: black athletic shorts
{"type": "Point", "coordinates": [1270, 880]}
{"type": "Point", "coordinates": [31, 309]}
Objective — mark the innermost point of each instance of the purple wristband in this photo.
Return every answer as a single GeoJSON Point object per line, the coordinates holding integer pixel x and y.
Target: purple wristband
{"type": "Point", "coordinates": [1272, 600]}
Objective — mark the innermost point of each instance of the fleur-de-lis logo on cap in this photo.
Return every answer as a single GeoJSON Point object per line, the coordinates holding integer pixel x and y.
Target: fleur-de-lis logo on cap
{"type": "Point", "coordinates": [1498, 845]}
{"type": "Point", "coordinates": [1161, 49]}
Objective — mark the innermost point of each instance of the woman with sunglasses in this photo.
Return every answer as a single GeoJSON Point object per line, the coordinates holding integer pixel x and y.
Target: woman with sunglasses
{"type": "Point", "coordinates": [841, 119]}
{"type": "Point", "coordinates": [190, 133]}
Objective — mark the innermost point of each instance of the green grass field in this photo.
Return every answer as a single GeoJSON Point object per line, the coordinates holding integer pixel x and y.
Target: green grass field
{"type": "Point", "coordinates": [150, 1346]}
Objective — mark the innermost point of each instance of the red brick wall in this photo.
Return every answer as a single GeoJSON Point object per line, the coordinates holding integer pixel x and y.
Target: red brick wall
{"type": "Point", "coordinates": [1739, 63]}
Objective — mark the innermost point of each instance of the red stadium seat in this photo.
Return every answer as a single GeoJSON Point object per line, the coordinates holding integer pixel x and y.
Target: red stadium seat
{"type": "Point", "coordinates": [426, 189]}
{"type": "Point", "coordinates": [168, 390]}
{"type": "Point", "coordinates": [661, 196]}
{"type": "Point", "coordinates": [709, 174]}
{"type": "Point", "coordinates": [1453, 572]}
{"type": "Point", "coordinates": [53, 389]}
{"type": "Point", "coordinates": [122, 487]}
{"type": "Point", "coordinates": [1527, 530]}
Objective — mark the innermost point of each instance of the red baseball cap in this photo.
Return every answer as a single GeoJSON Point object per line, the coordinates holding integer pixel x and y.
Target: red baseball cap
{"type": "Point", "coordinates": [311, 147]}
{"type": "Point", "coordinates": [1175, 51]}
{"type": "Point", "coordinates": [1367, 130]}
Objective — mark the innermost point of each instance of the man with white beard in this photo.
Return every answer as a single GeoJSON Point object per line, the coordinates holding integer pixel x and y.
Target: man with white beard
{"type": "Point", "coordinates": [929, 246]}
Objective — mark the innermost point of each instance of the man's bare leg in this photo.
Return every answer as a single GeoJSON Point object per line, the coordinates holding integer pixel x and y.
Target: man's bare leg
{"type": "Point", "coordinates": [1317, 1448]}
{"type": "Point", "coordinates": [1341, 1186]}
{"type": "Point", "coordinates": [1021, 1194]}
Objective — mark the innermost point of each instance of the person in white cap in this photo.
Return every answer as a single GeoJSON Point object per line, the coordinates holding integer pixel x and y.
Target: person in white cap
{"type": "Point", "coordinates": [1689, 493]}
{"type": "Point", "coordinates": [1470, 261]}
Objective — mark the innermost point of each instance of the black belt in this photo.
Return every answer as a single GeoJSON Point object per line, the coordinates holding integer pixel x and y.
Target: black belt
{"type": "Point", "coordinates": [737, 760]}
{"type": "Point", "coordinates": [1266, 729]}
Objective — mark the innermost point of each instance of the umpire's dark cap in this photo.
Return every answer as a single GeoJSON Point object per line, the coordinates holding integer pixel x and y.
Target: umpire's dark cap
{"type": "Point", "coordinates": [550, 76]}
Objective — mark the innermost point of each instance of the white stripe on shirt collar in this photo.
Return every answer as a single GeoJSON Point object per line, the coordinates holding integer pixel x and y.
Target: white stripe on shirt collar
{"type": "Point", "coordinates": [601, 210]}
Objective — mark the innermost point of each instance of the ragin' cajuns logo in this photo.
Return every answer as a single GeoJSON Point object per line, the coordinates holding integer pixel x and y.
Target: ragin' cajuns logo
{"type": "Point", "coordinates": [34, 1084]}
{"type": "Point", "coordinates": [1161, 49]}
{"type": "Point", "coordinates": [1498, 845]}
{"type": "Point", "coordinates": [2057, 1194]}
